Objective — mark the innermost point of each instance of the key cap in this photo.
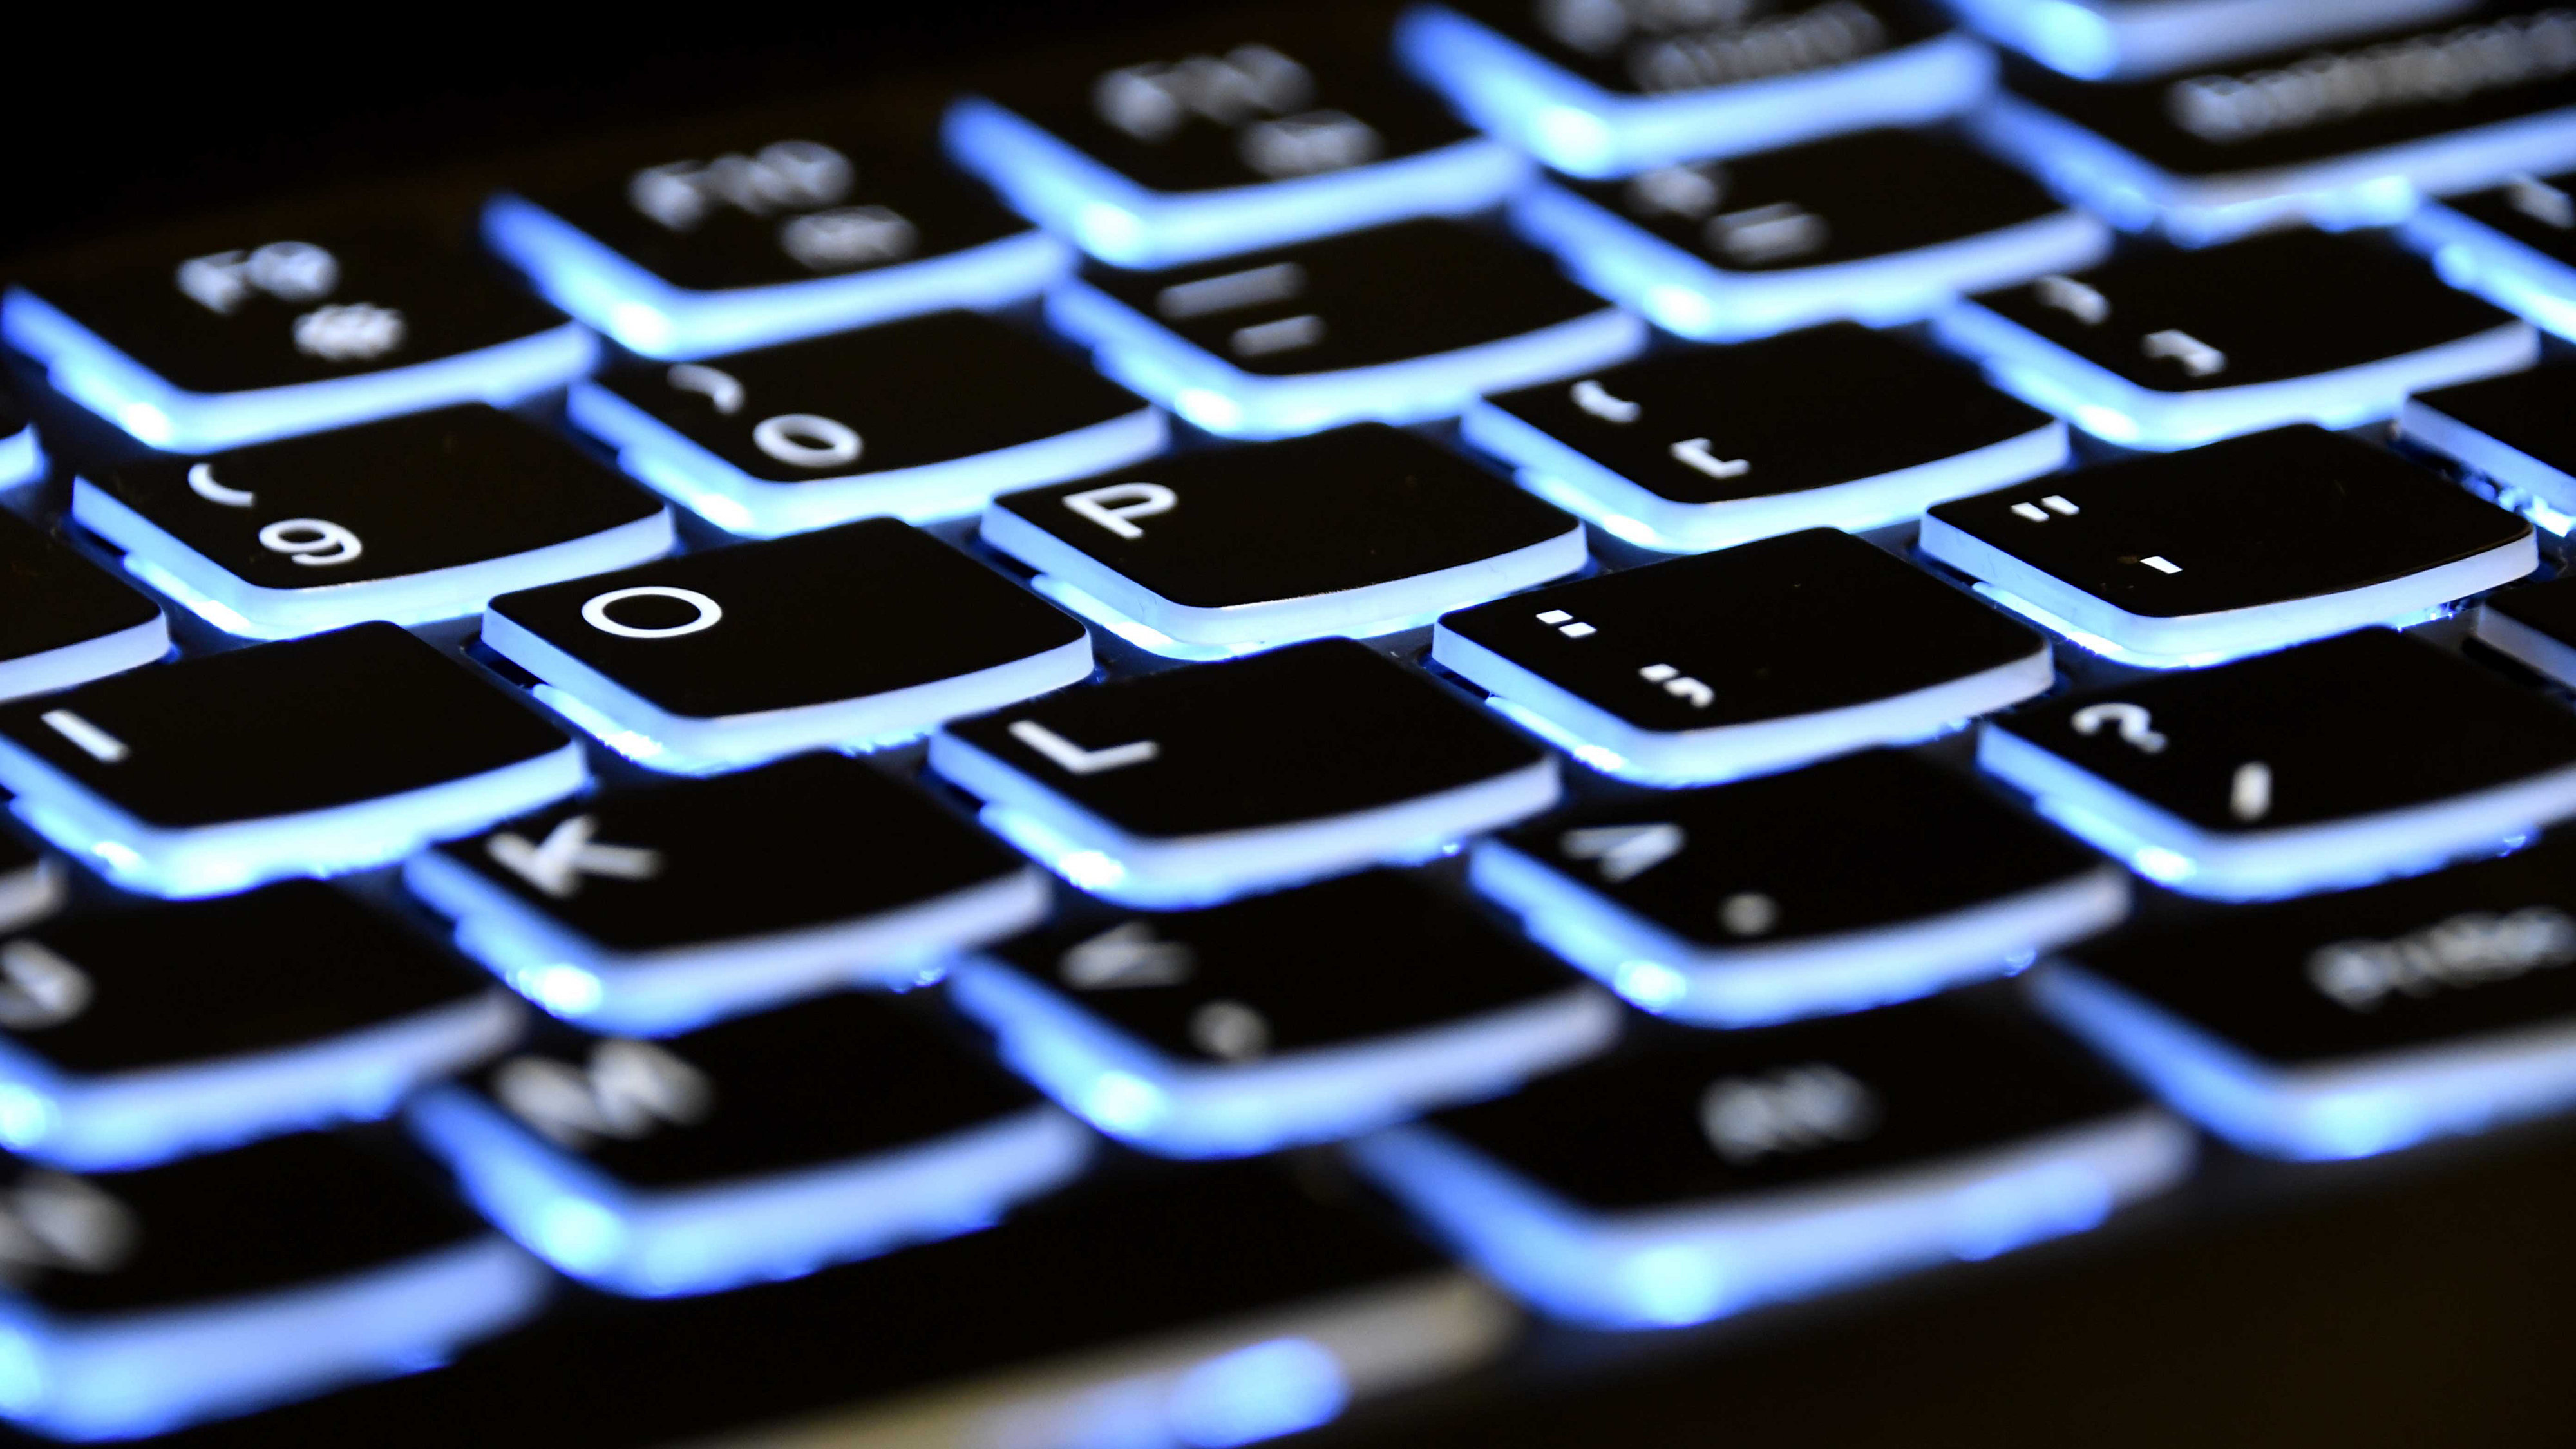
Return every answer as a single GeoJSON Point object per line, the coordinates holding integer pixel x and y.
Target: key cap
{"type": "Point", "coordinates": [2332, 764]}
{"type": "Point", "coordinates": [1743, 662]}
{"type": "Point", "coordinates": [410, 520]}
{"type": "Point", "coordinates": [762, 238]}
{"type": "Point", "coordinates": [2508, 431]}
{"type": "Point", "coordinates": [2348, 1024]}
{"type": "Point", "coordinates": [1885, 226]}
{"type": "Point", "coordinates": [2535, 626]}
{"type": "Point", "coordinates": [762, 1148]}
{"type": "Point", "coordinates": [136, 1037]}
{"type": "Point", "coordinates": [2513, 244]}
{"type": "Point", "coordinates": [2167, 350]}
{"type": "Point", "coordinates": [1605, 89]}
{"type": "Point", "coordinates": [1360, 531]}
{"type": "Point", "coordinates": [1297, 1017]}
{"type": "Point", "coordinates": [2235, 548]}
{"type": "Point", "coordinates": [1230, 142]}
{"type": "Point", "coordinates": [1836, 427]}
{"type": "Point", "coordinates": [142, 1301]}
{"type": "Point", "coordinates": [1874, 878]}
{"type": "Point", "coordinates": [917, 420]}
{"type": "Point", "coordinates": [1134, 1316]}
{"type": "Point", "coordinates": [2129, 39]}
{"type": "Point", "coordinates": [308, 757]}
{"type": "Point", "coordinates": [199, 349]}
{"type": "Point", "coordinates": [63, 621]}
{"type": "Point", "coordinates": [1730, 1170]}
{"type": "Point", "coordinates": [1399, 324]}
{"type": "Point", "coordinates": [655, 911]}
{"type": "Point", "coordinates": [1184, 788]}
{"type": "Point", "coordinates": [862, 633]}
{"type": "Point", "coordinates": [2349, 134]}
{"type": "Point", "coordinates": [22, 456]}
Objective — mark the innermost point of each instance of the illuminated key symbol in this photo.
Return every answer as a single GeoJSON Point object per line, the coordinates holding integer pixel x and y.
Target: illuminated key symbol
{"type": "Point", "coordinates": [2053, 503]}
{"type": "Point", "coordinates": [1624, 852]}
{"type": "Point", "coordinates": [2542, 202]}
{"type": "Point", "coordinates": [1124, 957]}
{"type": "Point", "coordinates": [38, 988]}
{"type": "Point", "coordinates": [94, 742]}
{"type": "Point", "coordinates": [1595, 399]}
{"type": "Point", "coordinates": [718, 386]}
{"type": "Point", "coordinates": [2073, 298]}
{"type": "Point", "coordinates": [2249, 794]}
{"type": "Point", "coordinates": [1073, 758]}
{"type": "Point", "coordinates": [1679, 685]}
{"type": "Point", "coordinates": [1567, 625]}
{"type": "Point", "coordinates": [1230, 1031]}
{"type": "Point", "coordinates": [1694, 453]}
{"type": "Point", "coordinates": [2161, 564]}
{"type": "Point", "coordinates": [2135, 724]}
{"type": "Point", "coordinates": [201, 481]}
{"type": "Point", "coordinates": [2198, 358]}
{"type": "Point", "coordinates": [568, 853]}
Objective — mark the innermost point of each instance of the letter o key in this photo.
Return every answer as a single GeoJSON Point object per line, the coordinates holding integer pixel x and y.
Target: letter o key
{"type": "Point", "coordinates": [595, 613]}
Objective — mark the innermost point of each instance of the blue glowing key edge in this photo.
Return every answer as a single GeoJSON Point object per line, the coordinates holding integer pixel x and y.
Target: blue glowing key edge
{"type": "Point", "coordinates": [647, 315]}
{"type": "Point", "coordinates": [2116, 410]}
{"type": "Point", "coordinates": [137, 1374]}
{"type": "Point", "coordinates": [686, 744]}
{"type": "Point", "coordinates": [2519, 641]}
{"type": "Point", "coordinates": [1583, 130]}
{"type": "Point", "coordinates": [1686, 295]}
{"type": "Point", "coordinates": [679, 468]}
{"type": "Point", "coordinates": [2266, 864]}
{"type": "Point", "coordinates": [1615, 747]}
{"type": "Point", "coordinates": [48, 670]}
{"type": "Point", "coordinates": [22, 457]}
{"type": "Point", "coordinates": [1179, 871]}
{"type": "Point", "coordinates": [1113, 218]}
{"type": "Point", "coordinates": [675, 989]}
{"type": "Point", "coordinates": [138, 1118]}
{"type": "Point", "coordinates": [2357, 1108]}
{"type": "Point", "coordinates": [2539, 491]}
{"type": "Point", "coordinates": [1763, 984]}
{"type": "Point", "coordinates": [744, 1230]}
{"type": "Point", "coordinates": [1682, 1265]}
{"type": "Point", "coordinates": [1145, 1097]}
{"type": "Point", "coordinates": [1205, 390]}
{"type": "Point", "coordinates": [86, 368]}
{"type": "Point", "coordinates": [2478, 259]}
{"type": "Point", "coordinates": [2114, 40]}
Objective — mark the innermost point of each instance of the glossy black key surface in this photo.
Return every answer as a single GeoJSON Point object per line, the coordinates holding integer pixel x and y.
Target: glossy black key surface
{"type": "Point", "coordinates": [52, 602]}
{"type": "Point", "coordinates": [1633, 48]}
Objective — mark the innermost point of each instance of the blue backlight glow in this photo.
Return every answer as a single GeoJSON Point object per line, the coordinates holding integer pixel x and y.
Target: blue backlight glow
{"type": "Point", "coordinates": [50, 669]}
{"type": "Point", "coordinates": [22, 458]}
{"type": "Point", "coordinates": [1261, 1391]}
{"type": "Point", "coordinates": [2475, 257]}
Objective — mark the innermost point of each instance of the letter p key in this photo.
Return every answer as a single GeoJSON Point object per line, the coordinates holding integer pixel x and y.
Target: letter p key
{"type": "Point", "coordinates": [1112, 507]}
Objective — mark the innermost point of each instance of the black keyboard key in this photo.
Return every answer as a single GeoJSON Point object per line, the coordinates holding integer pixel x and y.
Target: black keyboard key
{"type": "Point", "coordinates": [1836, 427]}
{"type": "Point", "coordinates": [1193, 785]}
{"type": "Point", "coordinates": [1230, 142]}
{"type": "Point", "coordinates": [1610, 88]}
{"type": "Point", "coordinates": [63, 621]}
{"type": "Point", "coordinates": [917, 420]}
{"type": "Point", "coordinates": [1885, 226]}
{"type": "Point", "coordinates": [2513, 431]}
{"type": "Point", "coordinates": [307, 757]}
{"type": "Point", "coordinates": [2168, 350]}
{"type": "Point", "coordinates": [1299, 1016]}
{"type": "Point", "coordinates": [2514, 245]}
{"type": "Point", "coordinates": [1359, 531]}
{"type": "Point", "coordinates": [1874, 878]}
{"type": "Point", "coordinates": [654, 911]}
{"type": "Point", "coordinates": [2126, 39]}
{"type": "Point", "coordinates": [136, 1037]}
{"type": "Point", "coordinates": [1683, 1184]}
{"type": "Point", "coordinates": [142, 1301]}
{"type": "Point", "coordinates": [1745, 661]}
{"type": "Point", "coordinates": [22, 454]}
{"type": "Point", "coordinates": [266, 337]}
{"type": "Point", "coordinates": [762, 1148]}
{"type": "Point", "coordinates": [731, 657]}
{"type": "Point", "coordinates": [762, 238]}
{"type": "Point", "coordinates": [2349, 134]}
{"type": "Point", "coordinates": [411, 519]}
{"type": "Point", "coordinates": [2329, 764]}
{"type": "Point", "coordinates": [1398, 324]}
{"type": "Point", "coordinates": [2232, 549]}
{"type": "Point", "coordinates": [2350, 1024]}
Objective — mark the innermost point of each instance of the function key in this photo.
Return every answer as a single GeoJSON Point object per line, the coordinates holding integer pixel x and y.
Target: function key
{"type": "Point", "coordinates": [917, 420]}
{"type": "Point", "coordinates": [135, 1037]}
{"type": "Point", "coordinates": [1294, 1017]}
{"type": "Point", "coordinates": [1886, 226]}
{"type": "Point", "coordinates": [2231, 549]}
{"type": "Point", "coordinates": [1744, 661]}
{"type": "Point", "coordinates": [22, 455]}
{"type": "Point", "coordinates": [2351, 1024]}
{"type": "Point", "coordinates": [1860, 881]}
{"type": "Point", "coordinates": [267, 337]}
{"type": "Point", "coordinates": [1400, 324]}
{"type": "Point", "coordinates": [653, 911]}
{"type": "Point", "coordinates": [63, 620]}
{"type": "Point", "coordinates": [1836, 427]}
{"type": "Point", "coordinates": [2349, 134]}
{"type": "Point", "coordinates": [1253, 140]}
{"type": "Point", "coordinates": [2516, 432]}
{"type": "Point", "coordinates": [1360, 531]}
{"type": "Point", "coordinates": [1678, 1185]}
{"type": "Point", "coordinates": [307, 757]}
{"type": "Point", "coordinates": [2127, 39]}
{"type": "Point", "coordinates": [409, 520]}
{"type": "Point", "coordinates": [763, 1148]}
{"type": "Point", "coordinates": [854, 635]}
{"type": "Point", "coordinates": [1607, 87]}
{"type": "Point", "coordinates": [762, 239]}
{"type": "Point", "coordinates": [1192, 785]}
{"type": "Point", "coordinates": [2513, 244]}
{"type": "Point", "coordinates": [2338, 762]}
{"type": "Point", "coordinates": [2167, 350]}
